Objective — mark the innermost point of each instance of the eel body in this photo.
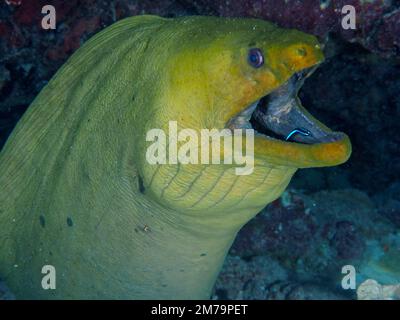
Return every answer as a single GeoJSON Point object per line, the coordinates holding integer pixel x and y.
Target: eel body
{"type": "Point", "coordinates": [76, 190]}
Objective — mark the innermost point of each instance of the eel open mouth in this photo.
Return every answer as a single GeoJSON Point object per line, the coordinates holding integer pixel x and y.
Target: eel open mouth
{"type": "Point", "coordinates": [281, 116]}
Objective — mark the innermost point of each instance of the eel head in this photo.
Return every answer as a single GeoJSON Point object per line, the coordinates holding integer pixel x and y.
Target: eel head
{"type": "Point", "coordinates": [246, 73]}
{"type": "Point", "coordinates": [240, 74]}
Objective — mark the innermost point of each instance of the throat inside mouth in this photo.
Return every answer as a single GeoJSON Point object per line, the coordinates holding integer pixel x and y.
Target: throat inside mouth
{"type": "Point", "coordinates": [281, 116]}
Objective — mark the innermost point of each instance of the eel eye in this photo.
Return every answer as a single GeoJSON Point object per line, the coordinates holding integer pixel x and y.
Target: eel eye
{"type": "Point", "coordinates": [256, 58]}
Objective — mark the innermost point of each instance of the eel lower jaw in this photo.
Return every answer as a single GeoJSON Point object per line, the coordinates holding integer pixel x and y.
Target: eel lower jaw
{"type": "Point", "coordinates": [286, 134]}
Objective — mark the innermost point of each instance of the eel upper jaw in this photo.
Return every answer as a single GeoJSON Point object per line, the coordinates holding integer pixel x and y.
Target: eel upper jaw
{"type": "Point", "coordinates": [280, 116]}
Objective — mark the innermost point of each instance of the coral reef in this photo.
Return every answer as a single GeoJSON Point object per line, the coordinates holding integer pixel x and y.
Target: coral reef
{"type": "Point", "coordinates": [247, 279]}
{"type": "Point", "coordinates": [262, 277]}
{"type": "Point", "coordinates": [377, 27]}
{"type": "Point", "coordinates": [307, 239]}
{"type": "Point", "coordinates": [372, 290]}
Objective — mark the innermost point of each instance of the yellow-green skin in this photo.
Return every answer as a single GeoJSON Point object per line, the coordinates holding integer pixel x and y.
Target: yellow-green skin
{"type": "Point", "coordinates": [76, 191]}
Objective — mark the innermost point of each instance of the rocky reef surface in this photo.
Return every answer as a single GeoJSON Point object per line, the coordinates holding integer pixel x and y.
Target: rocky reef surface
{"type": "Point", "coordinates": [297, 247]}
{"type": "Point", "coordinates": [377, 22]}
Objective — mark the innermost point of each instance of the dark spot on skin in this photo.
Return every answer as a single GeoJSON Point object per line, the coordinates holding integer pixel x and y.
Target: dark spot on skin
{"type": "Point", "coordinates": [42, 221]}
{"type": "Point", "coordinates": [50, 253]}
{"type": "Point", "coordinates": [182, 270]}
{"type": "Point", "coordinates": [141, 185]}
{"type": "Point", "coordinates": [85, 173]}
{"type": "Point", "coordinates": [133, 97]}
{"type": "Point", "coordinates": [203, 254]}
{"type": "Point", "coordinates": [70, 223]}
{"type": "Point", "coordinates": [164, 285]}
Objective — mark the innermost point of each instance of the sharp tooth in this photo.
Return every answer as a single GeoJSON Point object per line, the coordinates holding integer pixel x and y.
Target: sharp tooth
{"type": "Point", "coordinates": [246, 114]}
{"type": "Point", "coordinates": [241, 121]}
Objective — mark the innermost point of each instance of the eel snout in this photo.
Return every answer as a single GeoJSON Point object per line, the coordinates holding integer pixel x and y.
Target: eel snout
{"type": "Point", "coordinates": [281, 116]}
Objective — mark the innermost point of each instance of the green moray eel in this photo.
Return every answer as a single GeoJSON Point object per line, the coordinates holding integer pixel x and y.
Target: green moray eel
{"type": "Point", "coordinates": [76, 190]}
